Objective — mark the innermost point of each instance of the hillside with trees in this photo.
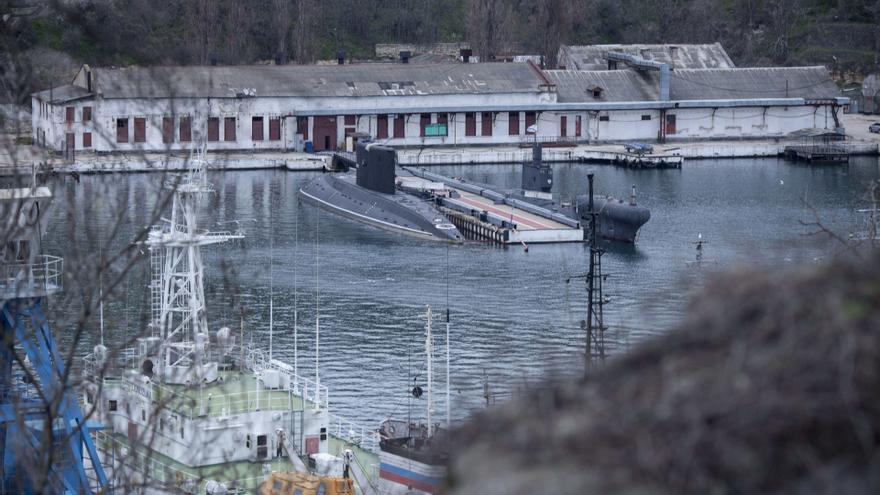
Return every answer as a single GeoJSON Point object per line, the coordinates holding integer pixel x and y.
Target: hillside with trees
{"type": "Point", "coordinates": [57, 35]}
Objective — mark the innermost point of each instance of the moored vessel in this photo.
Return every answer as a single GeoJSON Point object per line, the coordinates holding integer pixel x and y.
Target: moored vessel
{"type": "Point", "coordinates": [191, 410]}
{"type": "Point", "coordinates": [371, 196]}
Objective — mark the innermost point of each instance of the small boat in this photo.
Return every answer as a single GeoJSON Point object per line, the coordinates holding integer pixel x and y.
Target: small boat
{"type": "Point", "coordinates": [412, 456]}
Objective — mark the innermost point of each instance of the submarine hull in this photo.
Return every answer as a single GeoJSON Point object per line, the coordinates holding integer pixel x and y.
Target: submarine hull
{"type": "Point", "coordinates": [616, 219]}
{"type": "Point", "coordinates": [398, 212]}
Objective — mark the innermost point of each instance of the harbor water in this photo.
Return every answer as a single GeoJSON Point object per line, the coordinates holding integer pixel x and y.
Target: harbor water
{"type": "Point", "coordinates": [514, 318]}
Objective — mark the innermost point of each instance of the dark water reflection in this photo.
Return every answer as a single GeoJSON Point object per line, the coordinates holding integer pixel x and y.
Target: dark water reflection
{"type": "Point", "coordinates": [514, 319]}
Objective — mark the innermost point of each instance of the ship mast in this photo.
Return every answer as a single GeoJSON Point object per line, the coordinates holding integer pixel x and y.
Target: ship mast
{"type": "Point", "coordinates": [178, 296]}
{"type": "Point", "coordinates": [429, 354]}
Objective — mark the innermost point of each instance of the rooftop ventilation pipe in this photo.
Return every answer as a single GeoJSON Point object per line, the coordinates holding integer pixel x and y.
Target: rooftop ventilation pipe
{"type": "Point", "coordinates": [639, 63]}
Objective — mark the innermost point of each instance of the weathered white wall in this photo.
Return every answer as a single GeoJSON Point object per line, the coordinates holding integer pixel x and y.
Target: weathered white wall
{"type": "Point", "coordinates": [622, 125]}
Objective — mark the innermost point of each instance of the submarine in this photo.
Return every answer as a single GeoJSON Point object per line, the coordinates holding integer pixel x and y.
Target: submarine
{"type": "Point", "coordinates": [370, 195]}
{"type": "Point", "coordinates": [616, 219]}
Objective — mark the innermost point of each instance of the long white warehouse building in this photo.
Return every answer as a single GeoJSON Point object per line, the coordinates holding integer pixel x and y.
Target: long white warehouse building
{"type": "Point", "coordinates": [293, 107]}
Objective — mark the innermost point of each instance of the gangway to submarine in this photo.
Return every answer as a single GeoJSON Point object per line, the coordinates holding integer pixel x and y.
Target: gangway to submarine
{"type": "Point", "coordinates": [34, 394]}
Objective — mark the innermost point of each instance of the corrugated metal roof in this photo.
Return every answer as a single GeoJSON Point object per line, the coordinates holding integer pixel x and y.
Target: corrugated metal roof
{"type": "Point", "coordinates": [312, 80]}
{"type": "Point", "coordinates": [616, 85]}
{"type": "Point", "coordinates": [695, 84]}
{"type": "Point", "coordinates": [763, 82]}
{"type": "Point", "coordinates": [688, 56]}
{"type": "Point", "coordinates": [62, 94]}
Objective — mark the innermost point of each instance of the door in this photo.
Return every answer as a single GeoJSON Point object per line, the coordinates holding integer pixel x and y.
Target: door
{"type": "Point", "coordinates": [399, 123]}
{"type": "Point", "coordinates": [71, 142]}
{"type": "Point", "coordinates": [486, 124]}
{"type": "Point", "coordinates": [132, 431]}
{"type": "Point", "coordinates": [325, 133]}
{"type": "Point", "coordinates": [470, 124]}
{"type": "Point", "coordinates": [563, 126]}
{"type": "Point", "coordinates": [670, 124]}
{"type": "Point", "coordinates": [382, 127]}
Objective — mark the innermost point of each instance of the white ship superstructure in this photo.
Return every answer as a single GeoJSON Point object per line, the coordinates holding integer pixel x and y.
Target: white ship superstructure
{"type": "Point", "coordinates": [191, 410]}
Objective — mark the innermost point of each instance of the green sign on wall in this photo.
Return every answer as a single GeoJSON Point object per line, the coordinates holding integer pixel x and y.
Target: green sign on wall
{"type": "Point", "coordinates": [434, 130]}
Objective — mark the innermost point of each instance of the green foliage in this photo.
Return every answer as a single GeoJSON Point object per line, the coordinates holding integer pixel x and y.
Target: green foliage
{"type": "Point", "coordinates": [122, 32]}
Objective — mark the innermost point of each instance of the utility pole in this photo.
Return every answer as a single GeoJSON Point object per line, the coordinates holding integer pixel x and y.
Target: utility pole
{"type": "Point", "coordinates": [595, 329]}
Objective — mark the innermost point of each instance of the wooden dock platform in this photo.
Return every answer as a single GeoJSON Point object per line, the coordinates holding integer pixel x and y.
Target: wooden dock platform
{"type": "Point", "coordinates": [825, 153]}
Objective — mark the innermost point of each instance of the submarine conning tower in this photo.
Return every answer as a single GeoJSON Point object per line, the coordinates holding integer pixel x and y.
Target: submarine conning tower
{"type": "Point", "coordinates": [375, 167]}
{"type": "Point", "coordinates": [537, 176]}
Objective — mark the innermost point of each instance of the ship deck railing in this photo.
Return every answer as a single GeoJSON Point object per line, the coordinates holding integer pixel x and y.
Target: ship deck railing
{"type": "Point", "coordinates": [257, 361]}
{"type": "Point", "coordinates": [195, 401]}
{"type": "Point", "coordinates": [155, 473]}
{"type": "Point", "coordinates": [354, 433]}
{"type": "Point", "coordinates": [158, 474]}
{"type": "Point", "coordinates": [31, 279]}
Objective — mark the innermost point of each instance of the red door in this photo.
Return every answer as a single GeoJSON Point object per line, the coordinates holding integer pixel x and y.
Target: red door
{"type": "Point", "coordinates": [382, 127]}
{"type": "Point", "coordinates": [399, 122]}
{"type": "Point", "coordinates": [563, 126]}
{"type": "Point", "coordinates": [486, 124]}
{"type": "Point", "coordinates": [325, 133]}
{"type": "Point", "coordinates": [470, 124]}
{"type": "Point", "coordinates": [670, 124]}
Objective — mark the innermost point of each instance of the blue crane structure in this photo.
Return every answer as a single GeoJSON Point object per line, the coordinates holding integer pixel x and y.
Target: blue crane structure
{"type": "Point", "coordinates": [45, 443]}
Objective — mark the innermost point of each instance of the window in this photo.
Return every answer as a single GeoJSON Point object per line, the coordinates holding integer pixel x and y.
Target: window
{"type": "Point", "coordinates": [181, 431]}
{"type": "Point", "coordinates": [382, 127]}
{"type": "Point", "coordinates": [247, 441]}
{"type": "Point", "coordinates": [350, 120]}
{"type": "Point", "coordinates": [486, 124]}
{"type": "Point", "coordinates": [424, 120]}
{"type": "Point", "coordinates": [577, 125]}
{"type": "Point", "coordinates": [400, 126]}
{"type": "Point", "coordinates": [167, 129]}
{"type": "Point", "coordinates": [302, 127]}
{"type": "Point", "coordinates": [442, 118]}
{"type": "Point", "coordinates": [275, 129]}
{"type": "Point", "coordinates": [530, 121]}
{"type": "Point", "coordinates": [140, 130]}
{"type": "Point", "coordinates": [563, 126]}
{"type": "Point", "coordinates": [122, 130]}
{"type": "Point", "coordinates": [470, 124]}
{"type": "Point", "coordinates": [143, 414]}
{"type": "Point", "coordinates": [257, 129]}
{"type": "Point", "coordinates": [603, 118]}
{"type": "Point", "coordinates": [87, 114]}
{"type": "Point", "coordinates": [513, 124]}
{"type": "Point", "coordinates": [112, 405]}
{"type": "Point", "coordinates": [213, 129]}
{"type": "Point", "coordinates": [69, 112]}
{"type": "Point", "coordinates": [229, 129]}
{"type": "Point", "coordinates": [646, 117]}
{"type": "Point", "coordinates": [185, 129]}
{"type": "Point", "coordinates": [87, 140]}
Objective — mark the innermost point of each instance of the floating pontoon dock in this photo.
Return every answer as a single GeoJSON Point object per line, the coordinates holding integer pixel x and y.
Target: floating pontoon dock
{"type": "Point", "coordinates": [485, 214]}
